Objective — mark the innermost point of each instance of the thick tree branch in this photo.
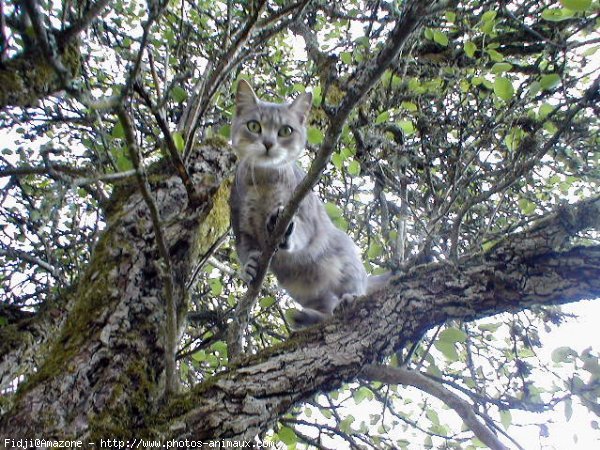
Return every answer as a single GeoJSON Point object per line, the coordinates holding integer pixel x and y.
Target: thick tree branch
{"type": "Point", "coordinates": [28, 77]}
{"type": "Point", "coordinates": [22, 343]}
{"type": "Point", "coordinates": [398, 375]}
{"type": "Point", "coordinates": [529, 268]}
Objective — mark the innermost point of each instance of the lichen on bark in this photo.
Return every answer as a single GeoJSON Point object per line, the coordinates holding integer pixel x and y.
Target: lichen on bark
{"type": "Point", "coordinates": [29, 76]}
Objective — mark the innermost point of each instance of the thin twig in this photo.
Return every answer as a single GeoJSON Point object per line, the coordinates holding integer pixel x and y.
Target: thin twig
{"type": "Point", "coordinates": [84, 22]}
{"type": "Point", "coordinates": [174, 154]}
{"type": "Point", "coordinates": [15, 253]}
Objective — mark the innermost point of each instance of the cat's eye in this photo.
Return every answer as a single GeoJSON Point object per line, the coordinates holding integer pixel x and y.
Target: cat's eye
{"type": "Point", "coordinates": [285, 131]}
{"type": "Point", "coordinates": [253, 126]}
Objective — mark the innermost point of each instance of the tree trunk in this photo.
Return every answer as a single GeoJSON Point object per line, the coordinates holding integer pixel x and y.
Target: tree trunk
{"type": "Point", "coordinates": [104, 371]}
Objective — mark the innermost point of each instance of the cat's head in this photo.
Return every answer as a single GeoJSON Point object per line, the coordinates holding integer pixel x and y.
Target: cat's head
{"type": "Point", "coordinates": [269, 134]}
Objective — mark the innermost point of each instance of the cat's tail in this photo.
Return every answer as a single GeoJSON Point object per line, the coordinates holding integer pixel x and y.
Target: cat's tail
{"type": "Point", "coordinates": [378, 282]}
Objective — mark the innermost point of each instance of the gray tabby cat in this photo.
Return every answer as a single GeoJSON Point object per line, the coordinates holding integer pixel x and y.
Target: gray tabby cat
{"type": "Point", "coordinates": [317, 264]}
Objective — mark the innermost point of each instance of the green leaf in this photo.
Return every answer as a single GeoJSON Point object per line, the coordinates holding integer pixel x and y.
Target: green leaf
{"type": "Point", "coordinates": [314, 136]}
{"type": "Point", "coordinates": [577, 5]}
{"type": "Point", "coordinates": [375, 250]}
{"type": "Point", "coordinates": [432, 415]}
{"type": "Point", "coordinates": [346, 58]}
{"type": "Point", "coordinates": [487, 26]}
{"type": "Point", "coordinates": [225, 131]}
{"type": "Point", "coordinates": [326, 413]}
{"type": "Point", "coordinates": [568, 409]}
{"type": "Point", "coordinates": [316, 96]}
{"type": "Point", "coordinates": [409, 106]}
{"type": "Point", "coordinates": [338, 160]}
{"type": "Point", "coordinates": [591, 51]}
{"type": "Point", "coordinates": [216, 288]}
{"type": "Point", "coordinates": [563, 354]}
{"type": "Point", "coordinates": [501, 67]}
{"type": "Point", "coordinates": [495, 55]}
{"type": "Point", "coordinates": [503, 88]}
{"type": "Point", "coordinates": [544, 110]}
{"type": "Point", "coordinates": [354, 168]}
{"type": "Point", "coordinates": [525, 353]}
{"type": "Point", "coordinates": [333, 211]}
{"type": "Point", "coordinates": [298, 87]}
{"type": "Point", "coordinates": [514, 138]}
{"type": "Point", "coordinates": [287, 436]}
{"type": "Point", "coordinates": [407, 126]}
{"type": "Point", "coordinates": [199, 356]}
{"type": "Point", "coordinates": [345, 425]}
{"type": "Point", "coordinates": [178, 94]}
{"type": "Point", "coordinates": [220, 347]}
{"type": "Point", "coordinates": [118, 132]}
{"type": "Point", "coordinates": [527, 207]}
{"type": "Point", "coordinates": [178, 141]}
{"type": "Point", "coordinates": [361, 394]}
{"type": "Point", "coordinates": [488, 245]}
{"type": "Point", "coordinates": [265, 302]}
{"type": "Point", "coordinates": [122, 160]}
{"type": "Point", "coordinates": [549, 81]}
{"type": "Point", "coordinates": [470, 49]}
{"type": "Point", "coordinates": [488, 15]}
{"type": "Point", "coordinates": [383, 117]}
{"type": "Point", "coordinates": [440, 38]}
{"type": "Point", "coordinates": [447, 349]}
{"type": "Point", "coordinates": [557, 14]}
{"type": "Point", "coordinates": [489, 326]}
{"type": "Point", "coordinates": [550, 127]}
{"type": "Point", "coordinates": [505, 418]}
{"type": "Point", "coordinates": [453, 335]}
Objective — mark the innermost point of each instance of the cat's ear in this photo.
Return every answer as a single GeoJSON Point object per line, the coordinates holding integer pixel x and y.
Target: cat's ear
{"type": "Point", "coordinates": [245, 96]}
{"type": "Point", "coordinates": [301, 105]}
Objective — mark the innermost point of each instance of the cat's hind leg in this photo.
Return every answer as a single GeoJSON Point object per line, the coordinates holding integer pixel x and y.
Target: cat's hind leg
{"type": "Point", "coordinates": [314, 310]}
{"type": "Point", "coordinates": [305, 317]}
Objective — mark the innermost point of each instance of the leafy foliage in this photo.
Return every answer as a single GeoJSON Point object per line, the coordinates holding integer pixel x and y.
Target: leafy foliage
{"type": "Point", "coordinates": [483, 123]}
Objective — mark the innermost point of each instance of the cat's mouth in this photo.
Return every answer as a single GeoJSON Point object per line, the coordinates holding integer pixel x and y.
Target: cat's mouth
{"type": "Point", "coordinates": [269, 157]}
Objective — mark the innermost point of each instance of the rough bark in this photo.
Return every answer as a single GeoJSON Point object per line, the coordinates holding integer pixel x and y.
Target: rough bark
{"type": "Point", "coordinates": [533, 267]}
{"type": "Point", "coordinates": [105, 370]}
{"type": "Point", "coordinates": [103, 376]}
{"type": "Point", "coordinates": [22, 340]}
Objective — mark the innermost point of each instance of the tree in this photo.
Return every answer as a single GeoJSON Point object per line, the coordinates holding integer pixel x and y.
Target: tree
{"type": "Point", "coordinates": [456, 142]}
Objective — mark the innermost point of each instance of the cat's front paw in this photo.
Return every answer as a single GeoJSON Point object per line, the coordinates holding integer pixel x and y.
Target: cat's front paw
{"type": "Point", "coordinates": [285, 243]}
{"type": "Point", "coordinates": [251, 266]}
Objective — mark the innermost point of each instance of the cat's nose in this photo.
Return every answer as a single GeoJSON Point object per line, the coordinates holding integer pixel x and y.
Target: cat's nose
{"type": "Point", "coordinates": [268, 145]}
